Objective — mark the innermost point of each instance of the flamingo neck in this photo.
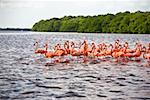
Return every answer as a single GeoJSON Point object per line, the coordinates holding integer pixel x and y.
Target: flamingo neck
{"type": "Point", "coordinates": [46, 47]}
{"type": "Point", "coordinates": [36, 46]}
{"type": "Point", "coordinates": [144, 53]}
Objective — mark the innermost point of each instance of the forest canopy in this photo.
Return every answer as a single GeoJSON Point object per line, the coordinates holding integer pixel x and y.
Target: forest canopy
{"type": "Point", "coordinates": [122, 22]}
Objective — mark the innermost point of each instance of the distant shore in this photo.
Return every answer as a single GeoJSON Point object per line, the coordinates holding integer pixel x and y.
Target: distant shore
{"type": "Point", "coordinates": [15, 29]}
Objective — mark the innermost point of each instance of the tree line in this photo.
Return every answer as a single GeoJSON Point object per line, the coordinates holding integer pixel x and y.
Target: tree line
{"type": "Point", "coordinates": [122, 22]}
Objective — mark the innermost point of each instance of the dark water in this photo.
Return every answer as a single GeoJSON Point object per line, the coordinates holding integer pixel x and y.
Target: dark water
{"type": "Point", "coordinates": [23, 74]}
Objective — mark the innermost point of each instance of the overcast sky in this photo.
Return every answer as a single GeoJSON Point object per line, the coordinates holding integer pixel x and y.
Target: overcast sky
{"type": "Point", "coordinates": [24, 13]}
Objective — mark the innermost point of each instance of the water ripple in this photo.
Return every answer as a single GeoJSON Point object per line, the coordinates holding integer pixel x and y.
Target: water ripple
{"type": "Point", "coordinates": [25, 75]}
{"type": "Point", "coordinates": [70, 94]}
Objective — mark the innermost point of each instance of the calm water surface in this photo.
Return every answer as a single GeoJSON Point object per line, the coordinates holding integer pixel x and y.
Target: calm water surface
{"type": "Point", "coordinates": [23, 74]}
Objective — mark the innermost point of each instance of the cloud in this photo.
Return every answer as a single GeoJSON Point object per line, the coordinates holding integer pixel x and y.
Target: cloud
{"type": "Point", "coordinates": [21, 3]}
{"type": "Point", "coordinates": [24, 13]}
{"type": "Point", "coordinates": [45, 3]}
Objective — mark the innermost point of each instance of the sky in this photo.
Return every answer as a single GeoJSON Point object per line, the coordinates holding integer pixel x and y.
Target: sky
{"type": "Point", "coordinates": [24, 13]}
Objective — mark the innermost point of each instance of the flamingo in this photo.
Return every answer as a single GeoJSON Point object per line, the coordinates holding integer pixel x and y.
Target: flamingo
{"type": "Point", "coordinates": [85, 48]}
{"type": "Point", "coordinates": [99, 47]}
{"type": "Point", "coordinates": [136, 54]}
{"type": "Point", "coordinates": [73, 51]}
{"type": "Point", "coordinates": [117, 53]}
{"type": "Point", "coordinates": [59, 52]}
{"type": "Point", "coordinates": [116, 45]}
{"type": "Point", "coordinates": [102, 51]}
{"type": "Point", "coordinates": [109, 51]}
{"type": "Point", "coordinates": [146, 54]}
{"type": "Point", "coordinates": [48, 54]}
{"type": "Point", "coordinates": [93, 50]}
{"type": "Point", "coordinates": [37, 50]}
{"type": "Point", "coordinates": [66, 47]}
{"type": "Point", "coordinates": [127, 49]}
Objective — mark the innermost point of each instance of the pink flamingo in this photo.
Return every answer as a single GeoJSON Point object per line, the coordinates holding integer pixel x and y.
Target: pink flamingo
{"type": "Point", "coordinates": [38, 50]}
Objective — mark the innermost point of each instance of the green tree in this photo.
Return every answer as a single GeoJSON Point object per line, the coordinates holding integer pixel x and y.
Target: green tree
{"type": "Point", "coordinates": [126, 22]}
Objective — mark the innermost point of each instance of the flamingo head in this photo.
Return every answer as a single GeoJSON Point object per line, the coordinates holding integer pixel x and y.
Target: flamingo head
{"type": "Point", "coordinates": [111, 45]}
{"type": "Point", "coordinates": [35, 43]}
{"type": "Point", "coordinates": [117, 41]}
{"type": "Point", "coordinates": [144, 49]}
{"type": "Point", "coordinates": [126, 44]}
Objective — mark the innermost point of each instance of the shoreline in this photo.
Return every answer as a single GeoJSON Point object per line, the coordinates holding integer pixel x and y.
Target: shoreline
{"type": "Point", "coordinates": [87, 32]}
{"type": "Point", "coordinates": [15, 29]}
{"type": "Point", "coordinates": [24, 30]}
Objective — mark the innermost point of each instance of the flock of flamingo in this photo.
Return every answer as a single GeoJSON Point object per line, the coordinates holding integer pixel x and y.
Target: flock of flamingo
{"type": "Point", "coordinates": [116, 50]}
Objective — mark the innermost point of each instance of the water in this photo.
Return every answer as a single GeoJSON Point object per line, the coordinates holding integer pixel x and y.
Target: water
{"type": "Point", "coordinates": [23, 74]}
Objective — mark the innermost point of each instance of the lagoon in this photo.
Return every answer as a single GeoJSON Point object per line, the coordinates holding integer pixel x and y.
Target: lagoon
{"type": "Point", "coordinates": [23, 74]}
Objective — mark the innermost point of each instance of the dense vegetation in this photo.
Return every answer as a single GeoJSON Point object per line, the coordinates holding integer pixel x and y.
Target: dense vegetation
{"type": "Point", "coordinates": [126, 22]}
